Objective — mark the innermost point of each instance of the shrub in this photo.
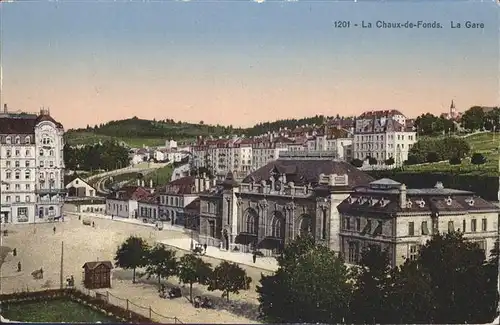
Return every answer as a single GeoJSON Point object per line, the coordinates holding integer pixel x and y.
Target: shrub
{"type": "Point", "coordinates": [455, 160]}
{"type": "Point", "coordinates": [357, 163]}
{"type": "Point", "coordinates": [431, 157]}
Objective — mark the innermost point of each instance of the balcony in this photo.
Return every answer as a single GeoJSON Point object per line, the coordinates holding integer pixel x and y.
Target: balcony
{"type": "Point", "coordinates": [49, 190]}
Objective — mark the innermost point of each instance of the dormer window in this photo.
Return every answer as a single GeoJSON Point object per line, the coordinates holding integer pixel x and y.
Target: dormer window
{"type": "Point", "coordinates": [421, 203]}
{"type": "Point", "coordinates": [352, 200]}
{"type": "Point", "coordinates": [448, 201]}
{"type": "Point", "coordinates": [27, 140]}
{"type": "Point", "coordinates": [8, 140]}
{"type": "Point", "coordinates": [470, 201]}
{"type": "Point", "coordinates": [409, 204]}
{"type": "Point", "coordinates": [18, 140]}
{"type": "Point", "coordinates": [373, 201]}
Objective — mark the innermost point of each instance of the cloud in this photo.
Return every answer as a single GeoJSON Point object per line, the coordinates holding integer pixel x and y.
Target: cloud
{"type": "Point", "coordinates": [259, 1]}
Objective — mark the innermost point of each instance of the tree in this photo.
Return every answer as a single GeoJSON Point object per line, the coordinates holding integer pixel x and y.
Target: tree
{"type": "Point", "coordinates": [477, 159]}
{"type": "Point", "coordinates": [390, 161]}
{"type": "Point", "coordinates": [161, 262]}
{"type": "Point", "coordinates": [357, 163]}
{"type": "Point", "coordinates": [229, 278]}
{"type": "Point", "coordinates": [432, 157]}
{"type": "Point", "coordinates": [192, 269]}
{"type": "Point", "coordinates": [132, 254]}
{"type": "Point", "coordinates": [412, 160]}
{"type": "Point", "coordinates": [473, 119]}
{"type": "Point", "coordinates": [458, 278]}
{"type": "Point", "coordinates": [372, 161]}
{"type": "Point", "coordinates": [311, 285]}
{"type": "Point", "coordinates": [455, 160]}
{"type": "Point", "coordinates": [370, 296]}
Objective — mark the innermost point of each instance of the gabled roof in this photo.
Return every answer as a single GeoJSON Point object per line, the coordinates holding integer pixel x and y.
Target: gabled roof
{"type": "Point", "coordinates": [129, 193]}
{"type": "Point", "coordinates": [93, 265]}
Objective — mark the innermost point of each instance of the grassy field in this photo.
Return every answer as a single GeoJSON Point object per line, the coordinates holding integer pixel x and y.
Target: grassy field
{"type": "Point", "coordinates": [485, 143]}
{"type": "Point", "coordinates": [58, 310]}
{"type": "Point", "coordinates": [77, 138]}
{"type": "Point", "coordinates": [160, 175]}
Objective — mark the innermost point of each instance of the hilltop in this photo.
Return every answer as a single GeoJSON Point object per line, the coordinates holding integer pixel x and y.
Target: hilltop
{"type": "Point", "coordinates": [137, 132]}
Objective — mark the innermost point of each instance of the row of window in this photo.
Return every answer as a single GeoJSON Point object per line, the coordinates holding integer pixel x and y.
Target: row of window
{"type": "Point", "coordinates": [17, 199]}
{"type": "Point", "coordinates": [118, 207]}
{"type": "Point", "coordinates": [172, 201]}
{"type": "Point", "coordinates": [27, 175]}
{"type": "Point", "coordinates": [27, 187]}
{"type": "Point", "coordinates": [27, 140]}
{"type": "Point", "coordinates": [424, 228]}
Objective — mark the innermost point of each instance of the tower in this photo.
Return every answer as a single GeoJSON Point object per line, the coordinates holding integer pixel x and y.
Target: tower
{"type": "Point", "coordinates": [453, 111]}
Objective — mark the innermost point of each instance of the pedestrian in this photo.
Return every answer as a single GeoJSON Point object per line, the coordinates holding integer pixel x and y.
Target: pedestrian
{"type": "Point", "coordinates": [79, 217]}
{"type": "Point", "coordinates": [14, 252]}
{"type": "Point", "coordinates": [205, 247]}
{"type": "Point", "coordinates": [18, 266]}
{"type": "Point", "coordinates": [93, 224]}
{"type": "Point", "coordinates": [254, 257]}
{"type": "Point", "coordinates": [54, 229]}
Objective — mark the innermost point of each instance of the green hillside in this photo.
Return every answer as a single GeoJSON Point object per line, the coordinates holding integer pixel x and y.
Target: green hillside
{"type": "Point", "coordinates": [485, 143]}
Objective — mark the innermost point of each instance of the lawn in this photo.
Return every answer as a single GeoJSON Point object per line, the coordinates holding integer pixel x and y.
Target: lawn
{"type": "Point", "coordinates": [160, 176]}
{"type": "Point", "coordinates": [76, 138]}
{"type": "Point", "coordinates": [485, 143]}
{"type": "Point", "coordinates": [58, 310]}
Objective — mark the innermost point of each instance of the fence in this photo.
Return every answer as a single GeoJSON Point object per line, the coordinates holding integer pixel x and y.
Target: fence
{"type": "Point", "coordinates": [131, 306]}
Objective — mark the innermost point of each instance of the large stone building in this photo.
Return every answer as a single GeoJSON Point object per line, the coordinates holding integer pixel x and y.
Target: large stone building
{"type": "Point", "coordinates": [387, 214]}
{"type": "Point", "coordinates": [276, 203]}
{"type": "Point", "coordinates": [383, 135]}
{"type": "Point", "coordinates": [31, 167]}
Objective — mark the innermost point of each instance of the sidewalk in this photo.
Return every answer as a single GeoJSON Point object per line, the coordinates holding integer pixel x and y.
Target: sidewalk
{"type": "Point", "coordinates": [264, 263]}
{"type": "Point", "coordinates": [166, 225]}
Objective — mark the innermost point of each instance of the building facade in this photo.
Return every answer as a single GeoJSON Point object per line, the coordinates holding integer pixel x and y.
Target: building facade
{"type": "Point", "coordinates": [276, 203]}
{"type": "Point", "coordinates": [124, 202]}
{"type": "Point", "coordinates": [397, 219]}
{"type": "Point", "coordinates": [31, 168]}
{"type": "Point", "coordinates": [80, 188]}
{"type": "Point", "coordinates": [383, 135]}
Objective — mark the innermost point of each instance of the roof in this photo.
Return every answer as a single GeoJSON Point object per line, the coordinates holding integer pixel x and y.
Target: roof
{"type": "Point", "coordinates": [380, 113]}
{"type": "Point", "coordinates": [47, 118]}
{"type": "Point", "coordinates": [9, 125]}
{"type": "Point", "coordinates": [183, 185]}
{"type": "Point", "coordinates": [307, 171]}
{"type": "Point", "coordinates": [76, 177]}
{"type": "Point", "coordinates": [95, 264]}
{"type": "Point", "coordinates": [194, 206]}
{"type": "Point", "coordinates": [370, 199]}
{"type": "Point", "coordinates": [129, 193]}
{"type": "Point", "coordinates": [152, 198]}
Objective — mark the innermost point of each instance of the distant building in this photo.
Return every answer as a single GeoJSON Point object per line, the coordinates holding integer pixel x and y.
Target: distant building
{"type": "Point", "coordinates": [276, 203]}
{"type": "Point", "coordinates": [398, 219]}
{"type": "Point", "coordinates": [124, 202]}
{"type": "Point", "coordinates": [171, 144]}
{"type": "Point", "coordinates": [383, 135]}
{"type": "Point", "coordinates": [31, 167]}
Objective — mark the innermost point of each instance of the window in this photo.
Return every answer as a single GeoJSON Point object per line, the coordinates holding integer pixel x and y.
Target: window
{"type": "Point", "coordinates": [473, 225]}
{"type": "Point", "coordinates": [51, 163]}
{"type": "Point", "coordinates": [484, 224]}
{"type": "Point", "coordinates": [211, 228]}
{"type": "Point", "coordinates": [18, 140]}
{"type": "Point", "coordinates": [18, 198]}
{"type": "Point", "coordinates": [18, 187]}
{"type": "Point", "coordinates": [18, 153]}
{"type": "Point", "coordinates": [413, 252]}
{"type": "Point", "coordinates": [353, 252]}
{"type": "Point", "coordinates": [27, 198]}
{"type": "Point", "coordinates": [22, 214]}
{"type": "Point", "coordinates": [451, 226]}
{"type": "Point", "coordinates": [8, 140]}
{"type": "Point", "coordinates": [411, 228]}
{"type": "Point", "coordinates": [28, 153]}
{"type": "Point", "coordinates": [464, 223]}
{"type": "Point", "coordinates": [7, 163]}
{"type": "Point", "coordinates": [347, 223]}
{"type": "Point", "coordinates": [358, 224]}
{"type": "Point", "coordinates": [17, 164]}
{"type": "Point", "coordinates": [51, 153]}
{"type": "Point", "coordinates": [41, 152]}
{"type": "Point", "coordinates": [18, 174]}
{"type": "Point", "coordinates": [27, 140]}
{"type": "Point", "coordinates": [41, 163]}
{"type": "Point", "coordinates": [425, 229]}
{"type": "Point", "coordinates": [27, 174]}
{"type": "Point", "coordinates": [7, 198]}
{"type": "Point", "coordinates": [27, 163]}
{"type": "Point", "coordinates": [28, 187]}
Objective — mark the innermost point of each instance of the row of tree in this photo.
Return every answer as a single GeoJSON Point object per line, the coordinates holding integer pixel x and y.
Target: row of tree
{"type": "Point", "coordinates": [107, 156]}
{"type": "Point", "coordinates": [448, 281]}
{"type": "Point", "coordinates": [474, 119]}
{"type": "Point", "coordinates": [163, 263]}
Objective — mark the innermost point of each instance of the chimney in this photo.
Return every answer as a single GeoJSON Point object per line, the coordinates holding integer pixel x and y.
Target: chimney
{"type": "Point", "coordinates": [197, 184]}
{"type": "Point", "coordinates": [5, 108]}
{"type": "Point", "coordinates": [402, 196]}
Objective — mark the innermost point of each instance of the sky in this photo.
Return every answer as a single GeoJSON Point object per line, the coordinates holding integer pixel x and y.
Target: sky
{"type": "Point", "coordinates": [241, 62]}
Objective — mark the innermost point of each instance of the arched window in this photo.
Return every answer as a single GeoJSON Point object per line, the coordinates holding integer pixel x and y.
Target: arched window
{"type": "Point", "coordinates": [18, 140]}
{"type": "Point", "coordinates": [252, 224]}
{"type": "Point", "coordinates": [27, 140]}
{"type": "Point", "coordinates": [41, 152]}
{"type": "Point", "coordinates": [8, 140]}
{"type": "Point", "coordinates": [277, 227]}
{"type": "Point", "coordinates": [305, 225]}
{"type": "Point", "coordinates": [51, 153]}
